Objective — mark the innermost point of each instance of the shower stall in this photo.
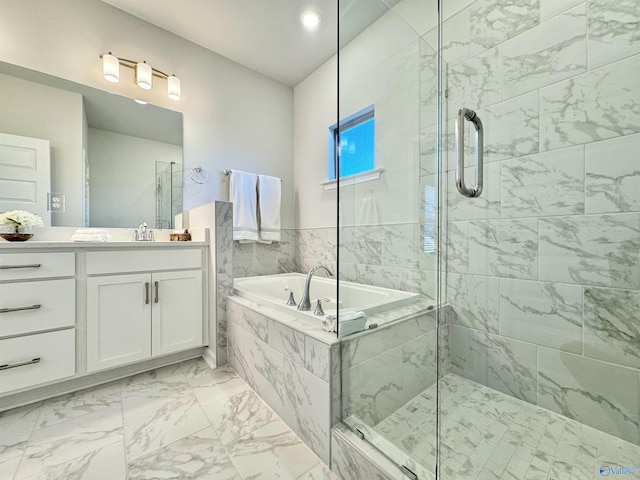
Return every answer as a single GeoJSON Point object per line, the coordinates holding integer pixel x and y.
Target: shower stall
{"type": "Point", "coordinates": [168, 193]}
{"type": "Point", "coordinates": [506, 149]}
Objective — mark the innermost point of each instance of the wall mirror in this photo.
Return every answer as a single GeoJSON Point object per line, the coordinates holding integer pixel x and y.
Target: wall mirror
{"type": "Point", "coordinates": [114, 162]}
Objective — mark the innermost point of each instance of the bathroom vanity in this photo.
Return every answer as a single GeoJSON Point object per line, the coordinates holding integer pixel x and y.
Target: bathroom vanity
{"type": "Point", "coordinates": [77, 314]}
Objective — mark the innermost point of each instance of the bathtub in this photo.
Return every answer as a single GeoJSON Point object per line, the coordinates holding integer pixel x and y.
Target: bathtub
{"type": "Point", "coordinates": [353, 296]}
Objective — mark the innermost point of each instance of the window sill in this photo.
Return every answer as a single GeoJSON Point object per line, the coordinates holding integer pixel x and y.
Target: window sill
{"type": "Point", "coordinates": [367, 176]}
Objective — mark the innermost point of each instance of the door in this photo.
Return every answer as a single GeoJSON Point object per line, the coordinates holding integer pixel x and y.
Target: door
{"type": "Point", "coordinates": [25, 175]}
{"type": "Point", "coordinates": [118, 320]}
{"type": "Point", "coordinates": [177, 311]}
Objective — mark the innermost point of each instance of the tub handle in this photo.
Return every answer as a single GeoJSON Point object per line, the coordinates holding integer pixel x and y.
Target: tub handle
{"type": "Point", "coordinates": [319, 311]}
{"type": "Point", "coordinates": [292, 301]}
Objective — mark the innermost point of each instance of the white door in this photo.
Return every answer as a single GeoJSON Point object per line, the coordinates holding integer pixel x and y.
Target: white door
{"type": "Point", "coordinates": [118, 320]}
{"type": "Point", "coordinates": [177, 311]}
{"type": "Point", "coordinates": [25, 175]}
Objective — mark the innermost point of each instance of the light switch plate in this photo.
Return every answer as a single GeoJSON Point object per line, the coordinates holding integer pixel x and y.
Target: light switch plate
{"type": "Point", "coordinates": [56, 202]}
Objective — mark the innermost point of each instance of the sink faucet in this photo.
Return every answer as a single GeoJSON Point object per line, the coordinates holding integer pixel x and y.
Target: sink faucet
{"type": "Point", "coordinates": [305, 302]}
{"type": "Point", "coordinates": [142, 234]}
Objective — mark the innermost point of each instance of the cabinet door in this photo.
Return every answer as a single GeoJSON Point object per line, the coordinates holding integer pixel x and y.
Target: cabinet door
{"type": "Point", "coordinates": [118, 320]}
{"type": "Point", "coordinates": [177, 311]}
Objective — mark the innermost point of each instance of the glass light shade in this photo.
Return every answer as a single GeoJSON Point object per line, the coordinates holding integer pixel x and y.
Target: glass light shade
{"type": "Point", "coordinates": [144, 76]}
{"type": "Point", "coordinates": [173, 87]}
{"type": "Point", "coordinates": [111, 68]}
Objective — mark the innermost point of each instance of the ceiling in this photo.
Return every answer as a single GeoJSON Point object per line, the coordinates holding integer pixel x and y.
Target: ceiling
{"type": "Point", "coordinates": [263, 35]}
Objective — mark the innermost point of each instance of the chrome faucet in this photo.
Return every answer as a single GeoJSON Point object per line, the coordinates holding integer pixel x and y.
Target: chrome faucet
{"type": "Point", "coordinates": [305, 302]}
{"type": "Point", "coordinates": [142, 234]}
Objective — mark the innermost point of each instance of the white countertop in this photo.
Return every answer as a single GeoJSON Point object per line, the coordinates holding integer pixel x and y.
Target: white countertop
{"type": "Point", "coordinates": [64, 244]}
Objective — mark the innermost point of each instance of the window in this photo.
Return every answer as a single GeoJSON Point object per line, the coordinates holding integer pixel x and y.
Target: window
{"type": "Point", "coordinates": [356, 135]}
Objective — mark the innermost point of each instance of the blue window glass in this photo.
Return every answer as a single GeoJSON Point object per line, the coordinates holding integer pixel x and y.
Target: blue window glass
{"type": "Point", "coordinates": [356, 135]}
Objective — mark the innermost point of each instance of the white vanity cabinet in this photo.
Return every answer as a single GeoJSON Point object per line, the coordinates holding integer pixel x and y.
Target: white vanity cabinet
{"type": "Point", "coordinates": [37, 319]}
{"type": "Point", "coordinates": [136, 316]}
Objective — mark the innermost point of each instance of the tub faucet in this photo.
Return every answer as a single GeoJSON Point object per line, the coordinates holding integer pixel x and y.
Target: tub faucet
{"type": "Point", "coordinates": [305, 302]}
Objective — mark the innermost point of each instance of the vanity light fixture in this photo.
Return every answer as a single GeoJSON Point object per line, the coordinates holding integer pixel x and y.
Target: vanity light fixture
{"type": "Point", "coordinates": [144, 74]}
{"type": "Point", "coordinates": [310, 19]}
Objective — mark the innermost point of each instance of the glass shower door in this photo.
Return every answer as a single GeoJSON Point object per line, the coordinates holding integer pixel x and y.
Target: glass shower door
{"type": "Point", "coordinates": [539, 372]}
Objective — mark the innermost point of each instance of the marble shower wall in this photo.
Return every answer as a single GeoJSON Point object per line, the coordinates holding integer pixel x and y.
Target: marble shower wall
{"type": "Point", "coordinates": [543, 269]}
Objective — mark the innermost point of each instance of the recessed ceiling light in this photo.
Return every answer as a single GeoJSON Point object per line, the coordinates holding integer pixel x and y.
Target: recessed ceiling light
{"type": "Point", "coordinates": [310, 19]}
{"type": "Point", "coordinates": [141, 102]}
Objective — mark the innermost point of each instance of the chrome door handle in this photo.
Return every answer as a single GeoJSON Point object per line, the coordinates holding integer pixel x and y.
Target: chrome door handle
{"type": "Point", "coordinates": [7, 366]}
{"type": "Point", "coordinates": [19, 309]}
{"type": "Point", "coordinates": [155, 285]}
{"type": "Point", "coordinates": [7, 267]}
{"type": "Point", "coordinates": [146, 293]}
{"type": "Point", "coordinates": [467, 114]}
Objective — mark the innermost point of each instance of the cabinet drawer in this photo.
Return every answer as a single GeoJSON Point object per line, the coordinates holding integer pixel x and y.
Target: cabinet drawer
{"type": "Point", "coordinates": [56, 351]}
{"type": "Point", "coordinates": [26, 266]}
{"type": "Point", "coordinates": [34, 306]}
{"type": "Point", "coordinates": [143, 260]}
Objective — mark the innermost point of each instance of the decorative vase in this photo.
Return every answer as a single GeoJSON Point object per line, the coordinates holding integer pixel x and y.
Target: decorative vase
{"type": "Point", "coordinates": [16, 233]}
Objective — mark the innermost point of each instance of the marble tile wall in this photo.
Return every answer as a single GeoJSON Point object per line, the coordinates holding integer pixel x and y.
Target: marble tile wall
{"type": "Point", "coordinates": [223, 264]}
{"type": "Point", "coordinates": [390, 256]}
{"type": "Point", "coordinates": [252, 259]}
{"type": "Point", "coordinates": [289, 370]}
{"type": "Point", "coordinates": [383, 369]}
{"type": "Point", "coordinates": [543, 271]}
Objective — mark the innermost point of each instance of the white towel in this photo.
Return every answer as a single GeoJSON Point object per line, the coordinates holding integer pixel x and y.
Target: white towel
{"type": "Point", "coordinates": [243, 193]}
{"type": "Point", "coordinates": [269, 199]}
{"type": "Point", "coordinates": [90, 231]}
{"type": "Point", "coordinates": [91, 237]}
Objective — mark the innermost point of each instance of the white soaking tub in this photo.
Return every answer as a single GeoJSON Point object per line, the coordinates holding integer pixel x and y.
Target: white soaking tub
{"type": "Point", "coordinates": [270, 290]}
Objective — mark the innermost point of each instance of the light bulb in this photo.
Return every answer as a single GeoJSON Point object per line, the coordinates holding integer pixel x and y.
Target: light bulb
{"type": "Point", "coordinates": [310, 20]}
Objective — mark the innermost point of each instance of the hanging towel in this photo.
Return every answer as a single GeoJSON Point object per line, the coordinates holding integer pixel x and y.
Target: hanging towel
{"type": "Point", "coordinates": [243, 193]}
{"type": "Point", "coordinates": [269, 196]}
{"type": "Point", "coordinates": [369, 209]}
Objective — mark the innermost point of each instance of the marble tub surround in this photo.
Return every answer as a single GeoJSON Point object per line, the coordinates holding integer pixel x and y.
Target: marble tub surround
{"type": "Point", "coordinates": [290, 364]}
{"type": "Point", "coordinates": [251, 259]}
{"type": "Point", "coordinates": [542, 269]}
{"type": "Point", "coordinates": [384, 368]}
{"type": "Point", "coordinates": [182, 421]}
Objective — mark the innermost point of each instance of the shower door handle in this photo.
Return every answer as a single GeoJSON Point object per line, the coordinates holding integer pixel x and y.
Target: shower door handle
{"type": "Point", "coordinates": [467, 114]}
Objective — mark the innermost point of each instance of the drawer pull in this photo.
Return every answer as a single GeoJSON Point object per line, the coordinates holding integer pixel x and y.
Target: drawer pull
{"type": "Point", "coordinates": [155, 284]}
{"type": "Point", "coordinates": [7, 267]}
{"type": "Point", "coordinates": [7, 366]}
{"type": "Point", "coordinates": [19, 309]}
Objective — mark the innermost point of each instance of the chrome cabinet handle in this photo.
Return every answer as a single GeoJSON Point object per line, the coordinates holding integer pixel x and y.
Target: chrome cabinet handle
{"type": "Point", "coordinates": [467, 114]}
{"type": "Point", "coordinates": [146, 293]}
{"type": "Point", "coordinates": [7, 267]}
{"type": "Point", "coordinates": [19, 309]}
{"type": "Point", "coordinates": [7, 366]}
{"type": "Point", "coordinates": [155, 284]}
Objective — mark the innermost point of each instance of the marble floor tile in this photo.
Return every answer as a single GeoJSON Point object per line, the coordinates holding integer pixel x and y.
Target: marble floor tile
{"type": "Point", "coordinates": [8, 466]}
{"type": "Point", "coordinates": [319, 472]}
{"type": "Point", "coordinates": [200, 456]}
{"type": "Point", "coordinates": [271, 452]}
{"type": "Point", "coordinates": [150, 392]}
{"type": "Point", "coordinates": [106, 463]}
{"type": "Point", "coordinates": [238, 414]}
{"type": "Point", "coordinates": [155, 428]}
{"type": "Point", "coordinates": [58, 444]}
{"type": "Point", "coordinates": [77, 404]}
{"type": "Point", "coordinates": [16, 427]}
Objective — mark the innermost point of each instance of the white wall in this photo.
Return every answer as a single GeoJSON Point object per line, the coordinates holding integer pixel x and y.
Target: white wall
{"type": "Point", "coordinates": [233, 116]}
{"type": "Point", "coordinates": [123, 177]}
{"type": "Point", "coordinates": [34, 110]}
{"type": "Point", "coordinates": [381, 66]}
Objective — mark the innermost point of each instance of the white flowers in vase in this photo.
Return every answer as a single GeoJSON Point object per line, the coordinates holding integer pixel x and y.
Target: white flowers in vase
{"type": "Point", "coordinates": [20, 219]}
